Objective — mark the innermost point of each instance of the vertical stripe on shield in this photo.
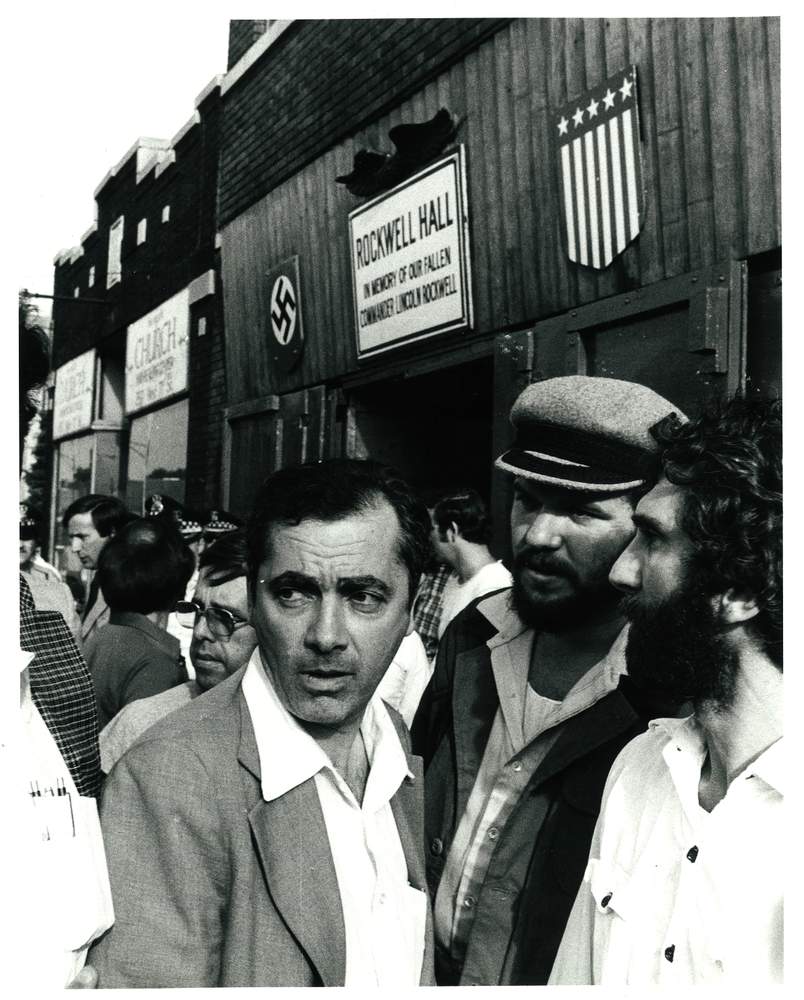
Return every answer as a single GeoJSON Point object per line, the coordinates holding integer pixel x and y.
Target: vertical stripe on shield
{"type": "Point", "coordinates": [578, 187]}
{"type": "Point", "coordinates": [566, 170]}
{"type": "Point", "coordinates": [591, 187]}
{"type": "Point", "coordinates": [605, 206]}
{"type": "Point", "coordinates": [630, 174]}
{"type": "Point", "coordinates": [617, 187]}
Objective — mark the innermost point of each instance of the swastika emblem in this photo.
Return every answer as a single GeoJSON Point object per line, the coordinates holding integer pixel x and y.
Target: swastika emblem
{"type": "Point", "coordinates": [283, 309]}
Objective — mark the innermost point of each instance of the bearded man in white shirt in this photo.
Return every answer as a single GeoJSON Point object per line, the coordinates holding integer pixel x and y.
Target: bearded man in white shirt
{"type": "Point", "coordinates": [270, 832]}
{"type": "Point", "coordinates": [685, 877]}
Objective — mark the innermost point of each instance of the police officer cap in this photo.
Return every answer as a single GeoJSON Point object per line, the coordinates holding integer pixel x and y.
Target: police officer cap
{"type": "Point", "coordinates": [220, 522]}
{"type": "Point", "coordinates": [582, 432]}
{"type": "Point", "coordinates": [29, 523]}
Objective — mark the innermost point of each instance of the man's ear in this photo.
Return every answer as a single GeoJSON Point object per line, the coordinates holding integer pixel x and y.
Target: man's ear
{"type": "Point", "coordinates": [453, 532]}
{"type": "Point", "coordinates": [736, 607]}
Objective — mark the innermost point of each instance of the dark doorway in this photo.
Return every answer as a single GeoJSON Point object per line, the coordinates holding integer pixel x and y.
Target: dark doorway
{"type": "Point", "coordinates": [436, 429]}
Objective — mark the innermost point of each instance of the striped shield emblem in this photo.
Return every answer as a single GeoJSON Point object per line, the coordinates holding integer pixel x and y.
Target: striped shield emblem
{"type": "Point", "coordinates": [601, 170]}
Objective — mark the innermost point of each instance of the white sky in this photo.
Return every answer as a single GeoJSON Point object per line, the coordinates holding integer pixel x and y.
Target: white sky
{"type": "Point", "coordinates": [87, 83]}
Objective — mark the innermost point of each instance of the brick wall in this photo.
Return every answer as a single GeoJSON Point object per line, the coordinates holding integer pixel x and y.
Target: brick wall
{"type": "Point", "coordinates": [322, 81]}
{"type": "Point", "coordinates": [242, 35]}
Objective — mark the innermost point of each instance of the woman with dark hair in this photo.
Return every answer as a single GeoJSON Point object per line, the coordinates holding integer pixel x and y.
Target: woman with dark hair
{"type": "Point", "coordinates": [142, 571]}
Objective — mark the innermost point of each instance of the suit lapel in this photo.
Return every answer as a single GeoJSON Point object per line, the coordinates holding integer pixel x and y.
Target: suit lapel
{"type": "Point", "coordinates": [474, 704]}
{"type": "Point", "coordinates": [408, 809]}
{"type": "Point", "coordinates": [94, 613]}
{"type": "Point", "coordinates": [292, 842]}
{"type": "Point", "coordinates": [293, 847]}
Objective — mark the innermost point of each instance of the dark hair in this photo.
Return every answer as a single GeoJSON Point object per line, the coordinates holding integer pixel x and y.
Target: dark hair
{"type": "Point", "coordinates": [226, 558]}
{"type": "Point", "coordinates": [730, 462]}
{"type": "Point", "coordinates": [466, 508]}
{"type": "Point", "coordinates": [108, 513]}
{"type": "Point", "coordinates": [333, 489]}
{"type": "Point", "coordinates": [145, 567]}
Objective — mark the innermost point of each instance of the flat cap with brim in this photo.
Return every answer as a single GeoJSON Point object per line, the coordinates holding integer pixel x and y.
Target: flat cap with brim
{"type": "Point", "coordinates": [582, 432]}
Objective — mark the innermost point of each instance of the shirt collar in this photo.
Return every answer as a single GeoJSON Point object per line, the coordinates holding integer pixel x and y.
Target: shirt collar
{"type": "Point", "coordinates": [497, 610]}
{"type": "Point", "coordinates": [280, 738]}
{"type": "Point", "coordinates": [686, 735]}
{"type": "Point", "coordinates": [770, 766]}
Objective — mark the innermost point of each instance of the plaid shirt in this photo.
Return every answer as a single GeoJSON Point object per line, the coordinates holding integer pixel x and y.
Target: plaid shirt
{"type": "Point", "coordinates": [427, 607]}
{"type": "Point", "coordinates": [62, 691]}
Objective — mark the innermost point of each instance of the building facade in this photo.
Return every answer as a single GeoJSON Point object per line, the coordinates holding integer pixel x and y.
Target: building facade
{"type": "Point", "coordinates": [400, 224]}
{"type": "Point", "coordinates": [401, 322]}
{"type": "Point", "coordinates": [138, 330]}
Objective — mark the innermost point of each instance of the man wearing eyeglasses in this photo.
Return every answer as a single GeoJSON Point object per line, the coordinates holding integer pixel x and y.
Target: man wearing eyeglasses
{"type": "Point", "coordinates": [222, 642]}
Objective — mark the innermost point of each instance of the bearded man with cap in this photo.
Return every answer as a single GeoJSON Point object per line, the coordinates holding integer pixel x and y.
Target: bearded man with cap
{"type": "Point", "coordinates": [529, 703]}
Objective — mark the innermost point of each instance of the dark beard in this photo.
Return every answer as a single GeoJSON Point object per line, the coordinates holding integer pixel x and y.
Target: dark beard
{"type": "Point", "coordinates": [557, 614]}
{"type": "Point", "coordinates": [677, 648]}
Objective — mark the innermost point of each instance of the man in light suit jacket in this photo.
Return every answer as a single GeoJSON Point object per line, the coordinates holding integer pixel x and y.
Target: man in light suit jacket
{"type": "Point", "coordinates": [90, 522]}
{"type": "Point", "coordinates": [270, 833]}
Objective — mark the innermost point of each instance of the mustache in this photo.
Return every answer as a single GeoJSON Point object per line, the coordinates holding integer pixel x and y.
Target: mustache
{"type": "Point", "coordinates": [542, 562]}
{"type": "Point", "coordinates": [629, 606]}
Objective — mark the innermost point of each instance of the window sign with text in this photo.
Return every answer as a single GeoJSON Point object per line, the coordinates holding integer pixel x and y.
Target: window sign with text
{"type": "Point", "coordinates": [73, 395]}
{"type": "Point", "coordinates": [157, 353]}
{"type": "Point", "coordinates": [410, 259]}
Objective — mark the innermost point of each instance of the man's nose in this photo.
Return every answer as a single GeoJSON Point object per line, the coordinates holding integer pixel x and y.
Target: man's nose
{"type": "Point", "coordinates": [544, 531]}
{"type": "Point", "coordinates": [75, 545]}
{"type": "Point", "coordinates": [625, 574]}
{"type": "Point", "coordinates": [327, 630]}
{"type": "Point", "coordinates": [201, 629]}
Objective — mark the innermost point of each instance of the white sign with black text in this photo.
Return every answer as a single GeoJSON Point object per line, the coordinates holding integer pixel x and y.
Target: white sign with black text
{"type": "Point", "coordinates": [410, 259]}
{"type": "Point", "coordinates": [73, 395]}
{"type": "Point", "coordinates": [157, 353]}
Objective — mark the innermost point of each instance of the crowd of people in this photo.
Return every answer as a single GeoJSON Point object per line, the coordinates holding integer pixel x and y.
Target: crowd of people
{"type": "Point", "coordinates": [383, 758]}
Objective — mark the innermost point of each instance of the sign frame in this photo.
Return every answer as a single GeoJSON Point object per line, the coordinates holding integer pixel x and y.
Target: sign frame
{"type": "Point", "coordinates": [287, 354]}
{"type": "Point", "coordinates": [89, 360]}
{"type": "Point", "coordinates": [181, 330]}
{"type": "Point", "coordinates": [456, 161]}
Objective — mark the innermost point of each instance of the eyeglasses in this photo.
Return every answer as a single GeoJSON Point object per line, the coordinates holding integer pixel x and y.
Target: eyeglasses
{"type": "Point", "coordinates": [220, 622]}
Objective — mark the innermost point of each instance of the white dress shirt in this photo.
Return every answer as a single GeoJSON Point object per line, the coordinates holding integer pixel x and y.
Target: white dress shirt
{"type": "Point", "coordinates": [457, 595]}
{"type": "Point", "coordinates": [673, 894]}
{"type": "Point", "coordinates": [384, 916]}
{"type": "Point", "coordinates": [404, 682]}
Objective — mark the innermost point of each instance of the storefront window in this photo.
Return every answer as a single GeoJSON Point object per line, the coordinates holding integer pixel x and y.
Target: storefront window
{"type": "Point", "coordinates": [157, 455]}
{"type": "Point", "coordinates": [74, 466]}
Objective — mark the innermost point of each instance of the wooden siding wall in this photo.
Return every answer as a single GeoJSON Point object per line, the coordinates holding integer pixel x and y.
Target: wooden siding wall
{"type": "Point", "coordinates": [709, 107]}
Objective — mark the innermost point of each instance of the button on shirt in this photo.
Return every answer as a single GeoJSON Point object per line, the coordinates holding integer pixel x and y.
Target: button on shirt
{"type": "Point", "coordinates": [384, 916]}
{"type": "Point", "coordinates": [673, 894]}
{"type": "Point", "coordinates": [525, 727]}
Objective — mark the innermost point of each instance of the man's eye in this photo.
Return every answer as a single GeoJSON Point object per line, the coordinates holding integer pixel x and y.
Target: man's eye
{"type": "Point", "coordinates": [365, 601]}
{"type": "Point", "coordinates": [290, 597]}
{"type": "Point", "coordinates": [525, 500]}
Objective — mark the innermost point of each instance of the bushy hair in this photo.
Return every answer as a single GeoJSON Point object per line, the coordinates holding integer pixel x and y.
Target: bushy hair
{"type": "Point", "coordinates": [730, 462]}
{"type": "Point", "coordinates": [108, 513]}
{"type": "Point", "coordinates": [465, 508]}
{"type": "Point", "coordinates": [145, 566]}
{"type": "Point", "coordinates": [226, 558]}
{"type": "Point", "coordinates": [333, 489]}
